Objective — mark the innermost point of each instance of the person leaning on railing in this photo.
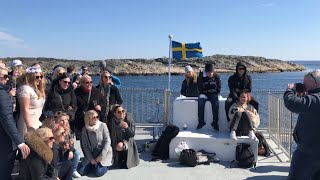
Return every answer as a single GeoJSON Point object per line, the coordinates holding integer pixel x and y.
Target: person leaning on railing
{"type": "Point", "coordinates": [306, 158]}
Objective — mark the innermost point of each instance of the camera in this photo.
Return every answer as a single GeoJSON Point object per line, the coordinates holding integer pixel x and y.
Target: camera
{"type": "Point", "coordinates": [299, 87]}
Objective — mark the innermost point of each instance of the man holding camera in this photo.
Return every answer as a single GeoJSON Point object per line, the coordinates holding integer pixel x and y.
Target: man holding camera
{"type": "Point", "coordinates": [306, 102]}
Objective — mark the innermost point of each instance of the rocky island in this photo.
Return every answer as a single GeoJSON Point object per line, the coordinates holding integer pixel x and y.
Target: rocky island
{"type": "Point", "coordinates": [159, 66]}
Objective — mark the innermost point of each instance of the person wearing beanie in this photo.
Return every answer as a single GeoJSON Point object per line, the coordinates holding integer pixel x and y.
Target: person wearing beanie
{"type": "Point", "coordinates": [240, 81]}
{"type": "Point", "coordinates": [189, 86]}
{"type": "Point", "coordinates": [16, 63]}
{"type": "Point", "coordinates": [209, 89]}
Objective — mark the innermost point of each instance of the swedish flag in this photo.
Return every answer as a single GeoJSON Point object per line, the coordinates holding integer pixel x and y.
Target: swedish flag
{"type": "Point", "coordinates": [183, 51]}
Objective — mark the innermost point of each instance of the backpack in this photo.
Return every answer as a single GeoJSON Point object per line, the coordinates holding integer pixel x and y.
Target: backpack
{"type": "Point", "coordinates": [192, 158]}
{"type": "Point", "coordinates": [245, 156]}
{"type": "Point", "coordinates": [188, 157]}
{"type": "Point", "coordinates": [263, 146]}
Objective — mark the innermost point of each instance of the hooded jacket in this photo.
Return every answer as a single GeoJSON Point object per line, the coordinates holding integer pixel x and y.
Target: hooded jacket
{"type": "Point", "coordinates": [37, 165]}
{"type": "Point", "coordinates": [239, 83]}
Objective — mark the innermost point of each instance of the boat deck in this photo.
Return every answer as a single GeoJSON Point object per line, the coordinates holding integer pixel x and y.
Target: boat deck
{"type": "Point", "coordinates": [274, 167]}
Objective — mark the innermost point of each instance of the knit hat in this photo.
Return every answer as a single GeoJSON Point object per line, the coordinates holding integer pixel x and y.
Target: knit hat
{"type": "Point", "coordinates": [103, 65]}
{"type": "Point", "coordinates": [188, 68]}
{"type": "Point", "coordinates": [208, 67]}
{"type": "Point", "coordinates": [15, 63]}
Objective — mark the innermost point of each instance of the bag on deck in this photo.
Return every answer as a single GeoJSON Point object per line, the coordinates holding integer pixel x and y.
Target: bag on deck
{"type": "Point", "coordinates": [244, 156]}
{"type": "Point", "coordinates": [263, 147]}
{"type": "Point", "coordinates": [188, 157]}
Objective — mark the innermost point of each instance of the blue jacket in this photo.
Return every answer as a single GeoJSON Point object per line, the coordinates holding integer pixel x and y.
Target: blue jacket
{"type": "Point", "coordinates": [9, 134]}
{"type": "Point", "coordinates": [306, 132]}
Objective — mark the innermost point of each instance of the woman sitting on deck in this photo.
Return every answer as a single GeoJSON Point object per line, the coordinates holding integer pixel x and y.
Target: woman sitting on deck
{"type": "Point", "coordinates": [244, 117]}
{"type": "Point", "coordinates": [125, 152]}
{"type": "Point", "coordinates": [95, 143]}
{"type": "Point", "coordinates": [189, 86]}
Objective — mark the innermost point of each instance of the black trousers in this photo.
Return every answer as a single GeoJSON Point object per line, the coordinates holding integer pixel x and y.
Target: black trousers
{"type": "Point", "coordinates": [241, 123]}
{"type": "Point", "coordinates": [65, 170]}
{"type": "Point", "coordinates": [230, 101]}
{"type": "Point", "coordinates": [6, 163]}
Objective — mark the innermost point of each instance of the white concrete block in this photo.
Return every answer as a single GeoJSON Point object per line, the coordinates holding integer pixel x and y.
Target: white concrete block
{"type": "Point", "coordinates": [185, 111]}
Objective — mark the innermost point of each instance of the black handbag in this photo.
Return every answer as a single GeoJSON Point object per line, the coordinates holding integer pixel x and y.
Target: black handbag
{"type": "Point", "coordinates": [94, 151]}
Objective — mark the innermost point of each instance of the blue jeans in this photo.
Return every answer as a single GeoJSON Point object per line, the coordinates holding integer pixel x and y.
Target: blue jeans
{"type": "Point", "coordinates": [99, 169]}
{"type": "Point", "coordinates": [215, 107]}
{"type": "Point", "coordinates": [303, 165]}
{"type": "Point", "coordinates": [75, 160]}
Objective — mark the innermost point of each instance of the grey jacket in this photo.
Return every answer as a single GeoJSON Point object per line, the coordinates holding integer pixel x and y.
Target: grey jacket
{"type": "Point", "coordinates": [102, 138]}
{"type": "Point", "coordinates": [306, 132]}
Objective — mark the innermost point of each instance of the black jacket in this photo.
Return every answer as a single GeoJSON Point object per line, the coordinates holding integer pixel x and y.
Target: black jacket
{"type": "Point", "coordinates": [209, 86]}
{"type": "Point", "coordinates": [83, 104]}
{"type": "Point", "coordinates": [114, 98]}
{"type": "Point", "coordinates": [189, 90]}
{"type": "Point", "coordinates": [237, 83]}
{"type": "Point", "coordinates": [53, 102]}
{"type": "Point", "coordinates": [306, 131]}
{"type": "Point", "coordinates": [37, 165]}
{"type": "Point", "coordinates": [9, 134]}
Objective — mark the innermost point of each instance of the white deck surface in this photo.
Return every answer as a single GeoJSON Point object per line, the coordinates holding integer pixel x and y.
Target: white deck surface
{"type": "Point", "coordinates": [269, 168]}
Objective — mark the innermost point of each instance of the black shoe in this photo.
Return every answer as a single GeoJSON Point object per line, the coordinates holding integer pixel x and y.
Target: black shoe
{"type": "Point", "coordinates": [215, 126]}
{"type": "Point", "coordinates": [200, 125]}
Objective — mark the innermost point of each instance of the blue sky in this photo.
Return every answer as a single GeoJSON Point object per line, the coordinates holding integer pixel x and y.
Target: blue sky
{"type": "Point", "coordinates": [102, 29]}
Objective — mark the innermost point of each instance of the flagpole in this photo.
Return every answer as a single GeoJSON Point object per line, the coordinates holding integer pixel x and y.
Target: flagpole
{"type": "Point", "coordinates": [170, 59]}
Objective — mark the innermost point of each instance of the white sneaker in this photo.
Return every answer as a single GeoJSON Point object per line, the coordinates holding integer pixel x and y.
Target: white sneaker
{"type": "Point", "coordinates": [75, 174]}
{"type": "Point", "coordinates": [252, 135]}
{"type": "Point", "coordinates": [233, 135]}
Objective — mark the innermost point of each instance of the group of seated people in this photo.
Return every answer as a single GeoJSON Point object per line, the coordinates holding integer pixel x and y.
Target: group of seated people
{"type": "Point", "coordinates": [52, 112]}
{"type": "Point", "coordinates": [240, 107]}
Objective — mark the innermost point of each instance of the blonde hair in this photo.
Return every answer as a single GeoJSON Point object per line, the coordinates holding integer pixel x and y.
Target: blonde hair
{"type": "Point", "coordinates": [192, 79]}
{"type": "Point", "coordinates": [29, 79]}
{"type": "Point", "coordinates": [89, 115]}
{"type": "Point", "coordinates": [84, 77]}
{"type": "Point", "coordinates": [57, 71]}
{"type": "Point", "coordinates": [43, 133]}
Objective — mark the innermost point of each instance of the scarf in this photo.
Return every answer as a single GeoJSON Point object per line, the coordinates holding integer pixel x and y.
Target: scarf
{"type": "Point", "coordinates": [93, 128]}
{"type": "Point", "coordinates": [117, 133]}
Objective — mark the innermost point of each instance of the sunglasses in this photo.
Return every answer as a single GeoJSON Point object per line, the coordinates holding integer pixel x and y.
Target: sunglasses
{"type": "Point", "coordinates": [67, 82]}
{"type": "Point", "coordinates": [90, 82]}
{"type": "Point", "coordinates": [38, 77]}
{"type": "Point", "coordinates": [95, 117]}
{"type": "Point", "coordinates": [107, 77]}
{"type": "Point", "coordinates": [6, 76]}
{"type": "Point", "coordinates": [120, 112]}
{"type": "Point", "coordinates": [241, 69]}
{"type": "Point", "coordinates": [51, 138]}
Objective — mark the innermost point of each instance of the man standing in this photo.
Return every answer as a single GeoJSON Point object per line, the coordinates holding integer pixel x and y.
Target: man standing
{"type": "Point", "coordinates": [10, 138]}
{"type": "Point", "coordinates": [306, 158]}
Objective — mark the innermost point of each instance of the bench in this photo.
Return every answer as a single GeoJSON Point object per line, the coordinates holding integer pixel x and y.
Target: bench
{"type": "Point", "coordinates": [185, 112]}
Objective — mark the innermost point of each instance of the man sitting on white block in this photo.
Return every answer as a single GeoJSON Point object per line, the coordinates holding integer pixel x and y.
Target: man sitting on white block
{"type": "Point", "coordinates": [209, 89]}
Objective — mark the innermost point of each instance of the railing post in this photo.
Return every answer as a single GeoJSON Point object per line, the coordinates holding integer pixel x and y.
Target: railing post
{"type": "Point", "coordinates": [166, 107]}
{"type": "Point", "coordinates": [291, 136]}
{"type": "Point", "coordinates": [278, 123]}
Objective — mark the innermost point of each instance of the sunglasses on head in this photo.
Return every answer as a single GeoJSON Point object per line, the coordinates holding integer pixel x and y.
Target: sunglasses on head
{"type": "Point", "coordinates": [38, 77]}
{"type": "Point", "coordinates": [6, 76]}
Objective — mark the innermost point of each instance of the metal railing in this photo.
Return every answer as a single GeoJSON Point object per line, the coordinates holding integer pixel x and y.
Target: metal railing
{"type": "Point", "coordinates": [280, 126]}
